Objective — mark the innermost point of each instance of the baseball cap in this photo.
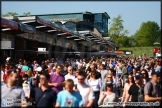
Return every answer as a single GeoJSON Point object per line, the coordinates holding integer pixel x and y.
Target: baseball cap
{"type": "Point", "coordinates": [39, 69]}
{"type": "Point", "coordinates": [155, 72]}
{"type": "Point", "coordinates": [109, 83]}
{"type": "Point", "coordinates": [8, 58]}
{"type": "Point", "coordinates": [138, 75]}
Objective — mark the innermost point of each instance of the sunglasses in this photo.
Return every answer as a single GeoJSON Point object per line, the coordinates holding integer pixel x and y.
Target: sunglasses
{"type": "Point", "coordinates": [143, 73]}
{"type": "Point", "coordinates": [109, 77]}
{"type": "Point", "coordinates": [42, 78]}
{"type": "Point", "coordinates": [80, 79]}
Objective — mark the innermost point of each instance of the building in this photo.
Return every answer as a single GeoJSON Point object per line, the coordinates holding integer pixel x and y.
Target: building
{"type": "Point", "coordinates": [56, 34]}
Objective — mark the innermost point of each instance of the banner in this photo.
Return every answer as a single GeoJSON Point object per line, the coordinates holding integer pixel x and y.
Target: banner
{"type": "Point", "coordinates": [119, 52]}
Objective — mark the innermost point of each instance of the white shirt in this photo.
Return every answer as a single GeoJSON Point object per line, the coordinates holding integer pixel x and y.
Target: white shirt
{"type": "Point", "coordinates": [118, 70]}
{"type": "Point", "coordinates": [68, 76]}
{"type": "Point", "coordinates": [86, 92]}
{"type": "Point", "coordinates": [95, 84]}
{"type": "Point", "coordinates": [76, 80]}
{"type": "Point", "coordinates": [2, 73]}
{"type": "Point", "coordinates": [26, 88]}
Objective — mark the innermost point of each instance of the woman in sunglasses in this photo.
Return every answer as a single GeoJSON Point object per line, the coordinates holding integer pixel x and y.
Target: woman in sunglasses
{"type": "Point", "coordinates": [145, 76]}
{"type": "Point", "coordinates": [127, 85]}
{"type": "Point", "coordinates": [109, 77]}
{"type": "Point", "coordinates": [96, 85]}
{"type": "Point", "coordinates": [107, 96]}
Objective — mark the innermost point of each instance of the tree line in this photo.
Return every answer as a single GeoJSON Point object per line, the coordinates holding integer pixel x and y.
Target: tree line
{"type": "Point", "coordinates": [8, 14]}
{"type": "Point", "coordinates": [148, 33]}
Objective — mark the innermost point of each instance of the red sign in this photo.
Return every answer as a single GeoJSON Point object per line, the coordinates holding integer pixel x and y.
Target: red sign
{"type": "Point", "coordinates": [44, 22]}
{"type": "Point", "coordinates": [110, 51]}
{"type": "Point", "coordinates": [156, 50]}
{"type": "Point", "coordinates": [9, 24]}
{"type": "Point", "coordinates": [119, 52]}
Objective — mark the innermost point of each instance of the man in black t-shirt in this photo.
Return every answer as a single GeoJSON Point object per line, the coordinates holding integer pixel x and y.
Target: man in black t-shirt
{"type": "Point", "coordinates": [136, 90]}
{"type": "Point", "coordinates": [43, 96]}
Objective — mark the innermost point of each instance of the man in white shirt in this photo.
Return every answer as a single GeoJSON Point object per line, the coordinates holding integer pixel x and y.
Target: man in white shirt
{"type": "Point", "coordinates": [85, 90]}
{"type": "Point", "coordinates": [70, 74]}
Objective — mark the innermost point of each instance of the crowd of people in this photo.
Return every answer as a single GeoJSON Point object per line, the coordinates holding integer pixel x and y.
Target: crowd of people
{"type": "Point", "coordinates": [82, 83]}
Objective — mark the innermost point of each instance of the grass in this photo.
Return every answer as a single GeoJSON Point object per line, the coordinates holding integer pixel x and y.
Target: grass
{"type": "Point", "coordinates": [139, 51]}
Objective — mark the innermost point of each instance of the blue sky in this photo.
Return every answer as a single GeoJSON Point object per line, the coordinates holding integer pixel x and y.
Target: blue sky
{"type": "Point", "coordinates": [133, 13]}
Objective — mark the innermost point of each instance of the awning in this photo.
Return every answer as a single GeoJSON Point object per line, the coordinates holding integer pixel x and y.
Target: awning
{"type": "Point", "coordinates": [27, 28]}
{"type": "Point", "coordinates": [10, 27]}
{"type": "Point", "coordinates": [5, 23]}
{"type": "Point", "coordinates": [39, 23]}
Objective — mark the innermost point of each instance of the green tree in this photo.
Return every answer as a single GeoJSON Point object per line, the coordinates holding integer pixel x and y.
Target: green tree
{"type": "Point", "coordinates": [117, 29]}
{"type": "Point", "coordinates": [132, 41]}
{"type": "Point", "coordinates": [27, 13]}
{"type": "Point", "coordinates": [9, 14]}
{"type": "Point", "coordinates": [147, 34]}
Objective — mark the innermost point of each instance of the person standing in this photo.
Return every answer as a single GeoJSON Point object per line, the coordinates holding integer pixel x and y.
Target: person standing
{"type": "Point", "coordinates": [107, 96]}
{"type": "Point", "coordinates": [152, 89]}
{"type": "Point", "coordinates": [57, 79]}
{"type": "Point", "coordinates": [10, 91]}
{"type": "Point", "coordinates": [136, 90]}
{"type": "Point", "coordinates": [43, 96]}
{"type": "Point", "coordinates": [69, 97]}
{"type": "Point", "coordinates": [70, 74]}
{"type": "Point", "coordinates": [96, 85]}
{"type": "Point", "coordinates": [85, 90]}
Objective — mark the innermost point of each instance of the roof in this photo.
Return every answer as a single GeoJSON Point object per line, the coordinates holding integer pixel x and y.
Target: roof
{"type": "Point", "coordinates": [105, 13]}
{"type": "Point", "coordinates": [86, 12]}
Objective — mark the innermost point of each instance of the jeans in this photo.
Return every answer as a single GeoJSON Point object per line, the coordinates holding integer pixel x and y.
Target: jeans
{"type": "Point", "coordinates": [96, 94]}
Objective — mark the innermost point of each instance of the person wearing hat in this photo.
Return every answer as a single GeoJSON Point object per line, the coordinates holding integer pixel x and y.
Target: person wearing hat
{"type": "Point", "coordinates": [107, 96]}
{"type": "Point", "coordinates": [136, 90]}
{"type": "Point", "coordinates": [152, 89]}
{"type": "Point", "coordinates": [38, 72]}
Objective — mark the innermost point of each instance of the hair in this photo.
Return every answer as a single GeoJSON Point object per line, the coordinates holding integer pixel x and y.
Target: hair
{"type": "Point", "coordinates": [11, 72]}
{"type": "Point", "coordinates": [110, 75]}
{"type": "Point", "coordinates": [69, 81]}
{"type": "Point", "coordinates": [146, 73]}
{"type": "Point", "coordinates": [82, 73]}
{"type": "Point", "coordinates": [104, 67]}
{"type": "Point", "coordinates": [106, 87]}
{"type": "Point", "coordinates": [95, 74]}
{"type": "Point", "coordinates": [2, 66]}
{"type": "Point", "coordinates": [95, 66]}
{"type": "Point", "coordinates": [46, 74]}
{"type": "Point", "coordinates": [59, 65]}
{"type": "Point", "coordinates": [132, 79]}
{"type": "Point", "coordinates": [28, 73]}
{"type": "Point", "coordinates": [70, 67]}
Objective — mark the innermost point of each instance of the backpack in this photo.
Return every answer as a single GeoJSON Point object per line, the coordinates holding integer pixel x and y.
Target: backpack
{"type": "Point", "coordinates": [151, 89]}
{"type": "Point", "coordinates": [141, 94]}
